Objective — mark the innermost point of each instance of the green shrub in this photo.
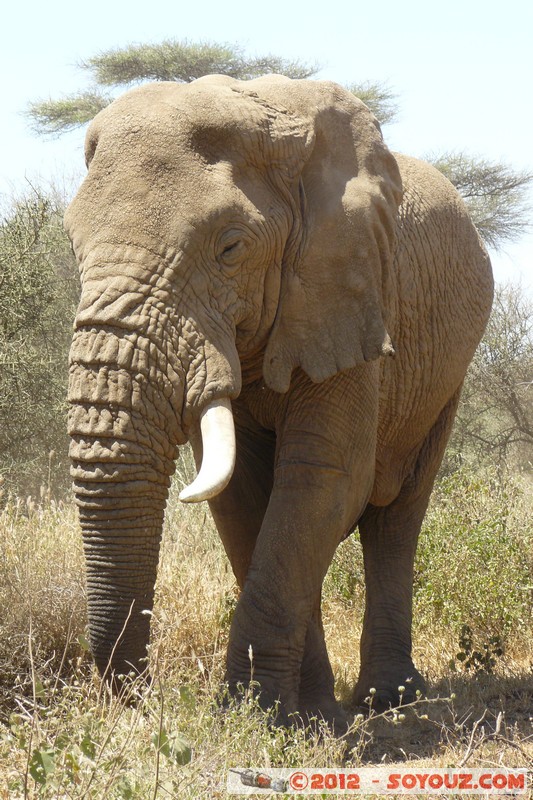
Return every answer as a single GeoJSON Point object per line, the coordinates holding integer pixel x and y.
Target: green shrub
{"type": "Point", "coordinates": [473, 566]}
{"type": "Point", "coordinates": [39, 288]}
{"type": "Point", "coordinates": [494, 424]}
{"type": "Point", "coordinates": [482, 659]}
{"type": "Point", "coordinates": [345, 580]}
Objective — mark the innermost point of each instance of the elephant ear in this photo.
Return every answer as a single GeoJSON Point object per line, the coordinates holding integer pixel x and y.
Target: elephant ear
{"type": "Point", "coordinates": [331, 313]}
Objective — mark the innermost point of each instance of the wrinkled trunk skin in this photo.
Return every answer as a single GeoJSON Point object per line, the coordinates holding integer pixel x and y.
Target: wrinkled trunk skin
{"type": "Point", "coordinates": [121, 568]}
{"type": "Point", "coordinates": [126, 396]}
{"type": "Point", "coordinates": [124, 436]}
{"type": "Point", "coordinates": [140, 375]}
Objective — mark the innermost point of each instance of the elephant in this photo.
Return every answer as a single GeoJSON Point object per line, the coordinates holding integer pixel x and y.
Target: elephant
{"type": "Point", "coordinates": [263, 278]}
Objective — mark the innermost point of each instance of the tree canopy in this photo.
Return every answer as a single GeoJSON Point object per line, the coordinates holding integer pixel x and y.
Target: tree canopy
{"type": "Point", "coordinates": [494, 192]}
{"type": "Point", "coordinates": [180, 61]}
{"type": "Point", "coordinates": [494, 422]}
{"type": "Point", "coordinates": [59, 116]}
{"type": "Point", "coordinates": [184, 62]}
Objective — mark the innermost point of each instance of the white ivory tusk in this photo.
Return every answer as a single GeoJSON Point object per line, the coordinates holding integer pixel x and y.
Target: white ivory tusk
{"type": "Point", "coordinates": [218, 461]}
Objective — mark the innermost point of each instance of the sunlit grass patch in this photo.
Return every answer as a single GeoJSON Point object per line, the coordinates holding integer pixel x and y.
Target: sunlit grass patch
{"type": "Point", "coordinates": [42, 595]}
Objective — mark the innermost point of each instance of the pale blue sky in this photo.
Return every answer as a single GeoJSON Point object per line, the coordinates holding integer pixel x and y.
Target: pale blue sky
{"type": "Point", "coordinates": [463, 70]}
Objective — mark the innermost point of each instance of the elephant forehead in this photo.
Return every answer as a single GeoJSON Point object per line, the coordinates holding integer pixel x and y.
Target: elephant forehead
{"type": "Point", "coordinates": [162, 153]}
{"type": "Point", "coordinates": [207, 118]}
{"type": "Point", "coordinates": [187, 105]}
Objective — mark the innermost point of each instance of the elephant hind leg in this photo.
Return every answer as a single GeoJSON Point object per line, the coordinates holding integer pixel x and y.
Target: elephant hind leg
{"type": "Point", "coordinates": [389, 537]}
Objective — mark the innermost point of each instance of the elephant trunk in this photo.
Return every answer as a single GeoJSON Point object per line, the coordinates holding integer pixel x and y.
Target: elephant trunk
{"type": "Point", "coordinates": [124, 432]}
{"type": "Point", "coordinates": [121, 525]}
{"type": "Point", "coordinates": [121, 563]}
{"type": "Point", "coordinates": [128, 394]}
{"type": "Point", "coordinates": [121, 507]}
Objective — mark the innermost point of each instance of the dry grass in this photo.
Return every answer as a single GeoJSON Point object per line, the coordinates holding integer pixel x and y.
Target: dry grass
{"type": "Point", "coordinates": [62, 736]}
{"type": "Point", "coordinates": [42, 600]}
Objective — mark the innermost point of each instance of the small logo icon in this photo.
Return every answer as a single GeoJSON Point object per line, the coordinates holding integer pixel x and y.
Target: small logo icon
{"type": "Point", "coordinates": [261, 780]}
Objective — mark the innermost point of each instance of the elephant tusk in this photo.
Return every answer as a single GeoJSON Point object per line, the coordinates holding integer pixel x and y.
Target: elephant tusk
{"type": "Point", "coordinates": [218, 461]}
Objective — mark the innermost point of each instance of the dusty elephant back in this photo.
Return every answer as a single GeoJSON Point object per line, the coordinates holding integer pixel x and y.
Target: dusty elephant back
{"type": "Point", "coordinates": [441, 296]}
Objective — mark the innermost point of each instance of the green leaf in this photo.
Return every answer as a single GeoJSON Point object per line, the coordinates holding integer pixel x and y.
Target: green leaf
{"type": "Point", "coordinates": [83, 643]}
{"type": "Point", "coordinates": [161, 743]}
{"type": "Point", "coordinates": [187, 698]}
{"type": "Point", "coordinates": [38, 688]}
{"type": "Point", "coordinates": [72, 767]}
{"type": "Point", "coordinates": [180, 749]}
{"type": "Point", "coordinates": [125, 789]}
{"type": "Point", "coordinates": [173, 746]}
{"type": "Point", "coordinates": [88, 747]}
{"type": "Point", "coordinates": [41, 765]}
{"type": "Point", "coordinates": [62, 740]}
{"type": "Point", "coordinates": [17, 729]}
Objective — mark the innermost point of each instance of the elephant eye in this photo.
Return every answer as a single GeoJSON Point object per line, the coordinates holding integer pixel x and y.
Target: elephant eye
{"type": "Point", "coordinates": [232, 253]}
{"type": "Point", "coordinates": [230, 248]}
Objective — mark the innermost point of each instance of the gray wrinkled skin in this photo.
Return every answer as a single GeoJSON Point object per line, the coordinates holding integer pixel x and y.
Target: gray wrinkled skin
{"type": "Point", "coordinates": [257, 241]}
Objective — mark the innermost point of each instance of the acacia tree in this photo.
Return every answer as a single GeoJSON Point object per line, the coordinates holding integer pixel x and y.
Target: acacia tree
{"type": "Point", "coordinates": [494, 192]}
{"type": "Point", "coordinates": [183, 62]}
{"type": "Point", "coordinates": [168, 61]}
{"type": "Point", "coordinates": [494, 422]}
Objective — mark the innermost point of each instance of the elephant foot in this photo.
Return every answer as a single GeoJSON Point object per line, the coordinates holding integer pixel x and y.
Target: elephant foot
{"type": "Point", "coordinates": [381, 691]}
{"type": "Point", "coordinates": [311, 711]}
{"type": "Point", "coordinates": [280, 709]}
{"type": "Point", "coordinates": [317, 710]}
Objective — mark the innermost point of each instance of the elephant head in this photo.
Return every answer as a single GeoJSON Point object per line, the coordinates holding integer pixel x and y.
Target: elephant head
{"type": "Point", "coordinates": [221, 223]}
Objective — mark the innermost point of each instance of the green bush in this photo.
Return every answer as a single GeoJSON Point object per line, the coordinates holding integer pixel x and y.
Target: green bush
{"type": "Point", "coordinates": [345, 580]}
{"type": "Point", "coordinates": [39, 288]}
{"type": "Point", "coordinates": [474, 566]}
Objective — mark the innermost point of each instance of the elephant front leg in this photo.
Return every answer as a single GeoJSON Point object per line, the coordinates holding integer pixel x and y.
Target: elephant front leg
{"type": "Point", "coordinates": [271, 622]}
{"type": "Point", "coordinates": [239, 513]}
{"type": "Point", "coordinates": [322, 482]}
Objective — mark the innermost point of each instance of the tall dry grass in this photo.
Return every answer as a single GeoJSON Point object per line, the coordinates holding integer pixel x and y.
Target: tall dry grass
{"type": "Point", "coordinates": [61, 735]}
